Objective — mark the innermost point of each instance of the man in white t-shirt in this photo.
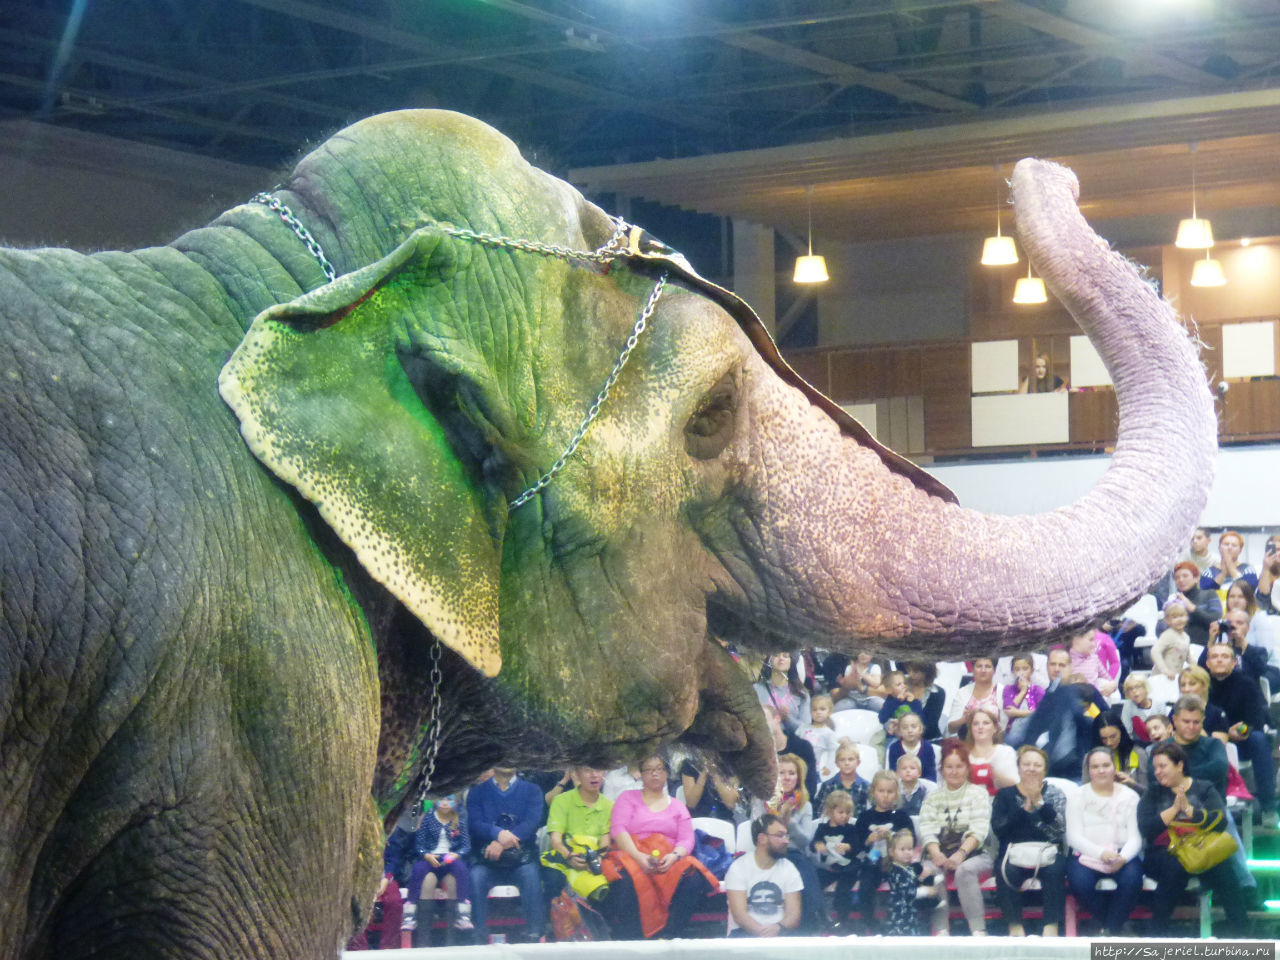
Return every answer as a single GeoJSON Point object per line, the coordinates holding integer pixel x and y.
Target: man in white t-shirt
{"type": "Point", "coordinates": [763, 888]}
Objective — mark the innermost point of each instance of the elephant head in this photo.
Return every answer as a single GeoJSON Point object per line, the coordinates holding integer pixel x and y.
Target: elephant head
{"type": "Point", "coordinates": [414, 400]}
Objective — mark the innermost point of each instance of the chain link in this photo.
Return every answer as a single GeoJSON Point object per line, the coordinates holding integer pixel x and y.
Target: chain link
{"type": "Point", "coordinates": [433, 723]}
{"type": "Point", "coordinates": [294, 224]}
{"type": "Point", "coordinates": [605, 253]}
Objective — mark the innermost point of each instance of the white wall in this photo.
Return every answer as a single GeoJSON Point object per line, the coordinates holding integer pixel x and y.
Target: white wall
{"type": "Point", "coordinates": [1246, 490]}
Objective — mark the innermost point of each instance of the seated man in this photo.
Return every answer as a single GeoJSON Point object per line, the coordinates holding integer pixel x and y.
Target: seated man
{"type": "Point", "coordinates": [578, 824]}
{"type": "Point", "coordinates": [1240, 697]}
{"type": "Point", "coordinates": [763, 887]}
{"type": "Point", "coordinates": [504, 812]}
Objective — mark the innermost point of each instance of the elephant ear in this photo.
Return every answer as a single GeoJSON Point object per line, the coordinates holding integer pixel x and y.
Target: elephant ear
{"type": "Point", "coordinates": [324, 403]}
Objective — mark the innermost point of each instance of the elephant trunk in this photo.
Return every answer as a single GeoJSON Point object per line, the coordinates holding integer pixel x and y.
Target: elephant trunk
{"type": "Point", "coordinates": [865, 558]}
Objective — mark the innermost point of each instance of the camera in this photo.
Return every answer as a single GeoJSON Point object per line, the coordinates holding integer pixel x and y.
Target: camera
{"type": "Point", "coordinates": [1224, 631]}
{"type": "Point", "coordinates": [593, 860]}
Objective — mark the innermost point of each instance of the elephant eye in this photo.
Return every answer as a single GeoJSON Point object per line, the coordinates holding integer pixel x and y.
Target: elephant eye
{"type": "Point", "coordinates": [710, 428]}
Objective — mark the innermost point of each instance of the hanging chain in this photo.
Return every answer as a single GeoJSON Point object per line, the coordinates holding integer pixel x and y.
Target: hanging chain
{"type": "Point", "coordinates": [607, 252]}
{"type": "Point", "coordinates": [433, 723]}
{"type": "Point", "coordinates": [294, 224]}
{"type": "Point", "coordinates": [594, 410]}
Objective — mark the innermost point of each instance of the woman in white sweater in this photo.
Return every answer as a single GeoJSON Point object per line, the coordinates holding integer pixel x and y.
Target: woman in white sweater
{"type": "Point", "coordinates": [1102, 834]}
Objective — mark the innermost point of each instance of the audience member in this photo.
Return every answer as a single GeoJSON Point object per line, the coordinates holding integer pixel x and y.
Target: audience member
{"type": "Point", "coordinates": [955, 824]}
{"type": "Point", "coordinates": [1172, 649]}
{"type": "Point", "coordinates": [578, 825]}
{"type": "Point", "coordinates": [1252, 661]}
{"type": "Point", "coordinates": [1203, 605]}
{"type": "Point", "coordinates": [1241, 700]}
{"type": "Point", "coordinates": [1022, 696]}
{"type": "Point", "coordinates": [903, 878]}
{"type": "Point", "coordinates": [1087, 661]}
{"type": "Point", "coordinates": [836, 854]}
{"type": "Point", "coordinates": [1057, 666]}
{"type": "Point", "coordinates": [848, 756]}
{"type": "Point", "coordinates": [992, 764]}
{"type": "Point", "coordinates": [1199, 552]}
{"type": "Point", "coordinates": [1109, 732]}
{"type": "Point", "coordinates": [724, 798]}
{"type": "Point", "coordinates": [795, 811]}
{"type": "Point", "coordinates": [1040, 380]}
{"type": "Point", "coordinates": [1264, 592]}
{"type": "Point", "coordinates": [914, 787]}
{"type": "Point", "coordinates": [1194, 681]}
{"type": "Point", "coordinates": [821, 735]}
{"type": "Point", "coordinates": [779, 686]}
{"type": "Point", "coordinates": [504, 812]}
{"type": "Point", "coordinates": [1177, 802]}
{"type": "Point", "coordinates": [622, 778]}
{"type": "Point", "coordinates": [921, 677]}
{"type": "Point", "coordinates": [899, 702]}
{"type": "Point", "coordinates": [1231, 568]}
{"type": "Point", "coordinates": [1104, 841]}
{"type": "Point", "coordinates": [1030, 812]}
{"type": "Point", "coordinates": [984, 692]}
{"type": "Point", "coordinates": [1064, 723]}
{"type": "Point", "coordinates": [1138, 706]}
{"type": "Point", "coordinates": [1159, 727]}
{"type": "Point", "coordinates": [871, 836]}
{"type": "Point", "coordinates": [911, 742]}
{"type": "Point", "coordinates": [442, 845]}
{"type": "Point", "coordinates": [763, 887]}
{"type": "Point", "coordinates": [790, 743]}
{"type": "Point", "coordinates": [1260, 633]}
{"type": "Point", "coordinates": [654, 883]}
{"type": "Point", "coordinates": [860, 686]}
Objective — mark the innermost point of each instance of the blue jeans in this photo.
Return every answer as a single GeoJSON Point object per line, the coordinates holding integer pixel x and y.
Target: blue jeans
{"type": "Point", "coordinates": [527, 878]}
{"type": "Point", "coordinates": [1111, 909]}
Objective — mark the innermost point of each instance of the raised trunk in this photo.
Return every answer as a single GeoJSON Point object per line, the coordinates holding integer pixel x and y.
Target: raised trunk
{"type": "Point", "coordinates": [862, 555]}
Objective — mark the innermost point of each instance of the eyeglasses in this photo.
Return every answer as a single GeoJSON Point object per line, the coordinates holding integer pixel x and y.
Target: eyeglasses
{"type": "Point", "coordinates": [777, 836]}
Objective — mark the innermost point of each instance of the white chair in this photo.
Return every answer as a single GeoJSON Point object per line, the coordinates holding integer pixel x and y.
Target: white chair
{"type": "Point", "coordinates": [1068, 787]}
{"type": "Point", "coordinates": [868, 763]}
{"type": "Point", "coordinates": [860, 726]}
{"type": "Point", "coordinates": [715, 827]}
{"type": "Point", "coordinates": [743, 837]}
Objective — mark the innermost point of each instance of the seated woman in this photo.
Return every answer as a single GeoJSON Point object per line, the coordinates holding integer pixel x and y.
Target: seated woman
{"type": "Point", "coordinates": [654, 883]}
{"type": "Point", "coordinates": [1176, 803]}
{"type": "Point", "coordinates": [442, 844]}
{"type": "Point", "coordinates": [921, 675]}
{"type": "Point", "coordinates": [1195, 680]}
{"type": "Point", "coordinates": [983, 693]}
{"type": "Point", "coordinates": [1102, 833]}
{"type": "Point", "coordinates": [1130, 762]}
{"type": "Point", "coordinates": [1033, 812]}
{"type": "Point", "coordinates": [779, 685]}
{"type": "Point", "coordinates": [992, 764]}
{"type": "Point", "coordinates": [955, 825]}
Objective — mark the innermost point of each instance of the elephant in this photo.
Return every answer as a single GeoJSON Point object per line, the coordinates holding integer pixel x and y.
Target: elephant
{"type": "Point", "coordinates": [421, 462]}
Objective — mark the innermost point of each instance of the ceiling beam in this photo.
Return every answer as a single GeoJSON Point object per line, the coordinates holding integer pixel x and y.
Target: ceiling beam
{"type": "Point", "coordinates": [534, 76]}
{"type": "Point", "coordinates": [1100, 42]}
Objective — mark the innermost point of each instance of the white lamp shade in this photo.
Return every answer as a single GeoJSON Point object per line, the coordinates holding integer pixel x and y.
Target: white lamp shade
{"type": "Point", "coordinates": [1194, 233]}
{"type": "Point", "coordinates": [811, 269]}
{"type": "Point", "coordinates": [999, 251]}
{"type": "Point", "coordinates": [1030, 290]}
{"type": "Point", "coordinates": [1207, 273]}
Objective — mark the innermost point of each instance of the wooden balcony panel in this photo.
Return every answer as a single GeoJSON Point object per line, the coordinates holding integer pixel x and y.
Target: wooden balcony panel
{"type": "Point", "coordinates": [1093, 416]}
{"type": "Point", "coordinates": [1250, 409]}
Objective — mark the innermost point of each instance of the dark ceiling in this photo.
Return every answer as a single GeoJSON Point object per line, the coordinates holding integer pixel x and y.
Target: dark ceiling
{"type": "Point", "coordinates": [581, 83]}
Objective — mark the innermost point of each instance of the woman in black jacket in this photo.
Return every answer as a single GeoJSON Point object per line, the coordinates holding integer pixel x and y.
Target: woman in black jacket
{"type": "Point", "coordinates": [1031, 811]}
{"type": "Point", "coordinates": [1176, 802]}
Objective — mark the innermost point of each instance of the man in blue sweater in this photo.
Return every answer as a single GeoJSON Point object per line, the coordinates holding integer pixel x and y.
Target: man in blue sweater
{"type": "Point", "coordinates": [504, 812]}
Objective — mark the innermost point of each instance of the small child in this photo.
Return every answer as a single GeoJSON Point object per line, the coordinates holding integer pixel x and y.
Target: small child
{"type": "Point", "coordinates": [1138, 706]}
{"type": "Point", "coordinates": [911, 742]}
{"type": "Point", "coordinates": [871, 839]}
{"type": "Point", "coordinates": [914, 789]}
{"type": "Point", "coordinates": [1158, 728]}
{"type": "Point", "coordinates": [847, 759]}
{"type": "Point", "coordinates": [903, 917]}
{"type": "Point", "coordinates": [821, 735]}
{"type": "Point", "coordinates": [1022, 696]}
{"type": "Point", "coordinates": [898, 703]}
{"type": "Point", "coordinates": [1172, 650]}
{"type": "Point", "coordinates": [834, 851]}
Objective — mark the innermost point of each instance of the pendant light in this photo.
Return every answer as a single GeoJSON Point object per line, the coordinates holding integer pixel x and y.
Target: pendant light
{"type": "Point", "coordinates": [1029, 289]}
{"type": "Point", "coordinates": [1195, 232]}
{"type": "Point", "coordinates": [1208, 273]}
{"type": "Point", "coordinates": [998, 251]}
{"type": "Point", "coordinates": [810, 268]}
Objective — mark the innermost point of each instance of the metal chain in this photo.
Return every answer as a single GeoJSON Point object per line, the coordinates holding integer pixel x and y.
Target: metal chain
{"type": "Point", "coordinates": [433, 723]}
{"type": "Point", "coordinates": [607, 252]}
{"type": "Point", "coordinates": [594, 411]}
{"type": "Point", "coordinates": [294, 224]}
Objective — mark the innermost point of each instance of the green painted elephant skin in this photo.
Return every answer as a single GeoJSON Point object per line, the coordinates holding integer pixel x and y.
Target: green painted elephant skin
{"type": "Point", "coordinates": [241, 504]}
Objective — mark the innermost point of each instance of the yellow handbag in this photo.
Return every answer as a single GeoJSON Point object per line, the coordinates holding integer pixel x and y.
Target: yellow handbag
{"type": "Point", "coordinates": [1204, 847]}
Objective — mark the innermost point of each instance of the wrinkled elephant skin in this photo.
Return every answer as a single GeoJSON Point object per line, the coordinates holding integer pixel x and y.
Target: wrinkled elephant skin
{"type": "Point", "coordinates": [241, 504]}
